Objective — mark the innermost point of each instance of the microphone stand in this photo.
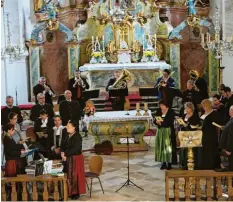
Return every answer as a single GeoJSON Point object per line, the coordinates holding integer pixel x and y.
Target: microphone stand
{"type": "Point", "coordinates": [128, 181]}
{"type": "Point", "coordinates": [16, 96]}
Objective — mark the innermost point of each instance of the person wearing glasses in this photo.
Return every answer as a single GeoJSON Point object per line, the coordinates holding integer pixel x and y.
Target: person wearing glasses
{"type": "Point", "coordinates": [8, 109]}
{"type": "Point", "coordinates": [35, 111]}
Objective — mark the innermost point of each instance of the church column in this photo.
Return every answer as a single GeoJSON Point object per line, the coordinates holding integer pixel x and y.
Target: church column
{"type": "Point", "coordinates": [174, 60]}
{"type": "Point", "coordinates": [73, 58]}
{"type": "Point", "coordinates": [213, 71]}
{"type": "Point", "coordinates": [34, 53]}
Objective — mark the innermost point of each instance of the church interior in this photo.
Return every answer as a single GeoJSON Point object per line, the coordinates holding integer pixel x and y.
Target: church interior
{"type": "Point", "coordinates": [116, 100]}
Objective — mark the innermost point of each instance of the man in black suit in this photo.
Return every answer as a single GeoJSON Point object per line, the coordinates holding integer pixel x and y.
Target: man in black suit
{"type": "Point", "coordinates": [35, 111]}
{"type": "Point", "coordinates": [8, 109]}
{"type": "Point", "coordinates": [43, 125]}
{"type": "Point", "coordinates": [43, 87]}
{"type": "Point", "coordinates": [77, 85]}
{"type": "Point", "coordinates": [69, 109]}
{"type": "Point", "coordinates": [226, 92]}
{"type": "Point", "coordinates": [117, 102]}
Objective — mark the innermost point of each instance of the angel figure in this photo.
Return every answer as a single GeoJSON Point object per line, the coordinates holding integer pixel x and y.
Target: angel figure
{"type": "Point", "coordinates": [191, 5]}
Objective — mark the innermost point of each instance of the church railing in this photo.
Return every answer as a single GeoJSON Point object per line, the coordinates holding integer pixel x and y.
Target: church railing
{"type": "Point", "coordinates": [198, 185]}
{"type": "Point", "coordinates": [44, 187]}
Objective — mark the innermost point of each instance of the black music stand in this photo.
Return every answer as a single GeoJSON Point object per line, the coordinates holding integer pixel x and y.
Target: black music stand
{"type": "Point", "coordinates": [118, 92]}
{"type": "Point", "coordinates": [88, 94]}
{"type": "Point", "coordinates": [148, 92]}
{"type": "Point", "coordinates": [128, 181]}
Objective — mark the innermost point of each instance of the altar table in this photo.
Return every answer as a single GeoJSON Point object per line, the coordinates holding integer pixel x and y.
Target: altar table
{"type": "Point", "coordinates": [114, 126]}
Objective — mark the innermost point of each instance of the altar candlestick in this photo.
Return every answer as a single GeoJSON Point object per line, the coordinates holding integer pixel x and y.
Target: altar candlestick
{"type": "Point", "coordinates": [137, 106]}
{"type": "Point", "coordinates": [145, 106]}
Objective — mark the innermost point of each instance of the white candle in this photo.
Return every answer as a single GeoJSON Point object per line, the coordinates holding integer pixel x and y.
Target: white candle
{"type": "Point", "coordinates": [137, 106]}
{"type": "Point", "coordinates": [143, 42]}
{"type": "Point", "coordinates": [145, 106]}
{"type": "Point", "coordinates": [202, 38]}
{"type": "Point", "coordinates": [103, 43]}
{"type": "Point", "coordinates": [92, 43]}
{"type": "Point", "coordinates": [155, 41]}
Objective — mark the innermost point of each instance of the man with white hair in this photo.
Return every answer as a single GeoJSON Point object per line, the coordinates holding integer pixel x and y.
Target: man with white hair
{"type": "Point", "coordinates": [43, 87]}
{"type": "Point", "coordinates": [69, 109]}
{"type": "Point", "coordinates": [35, 111]}
{"type": "Point", "coordinates": [8, 109]}
{"type": "Point", "coordinates": [226, 142]}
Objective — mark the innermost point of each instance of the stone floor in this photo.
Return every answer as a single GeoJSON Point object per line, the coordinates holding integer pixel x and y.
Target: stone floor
{"type": "Point", "coordinates": [144, 172]}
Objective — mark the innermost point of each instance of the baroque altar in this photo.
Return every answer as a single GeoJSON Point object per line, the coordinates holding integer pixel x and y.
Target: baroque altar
{"type": "Point", "coordinates": [113, 126]}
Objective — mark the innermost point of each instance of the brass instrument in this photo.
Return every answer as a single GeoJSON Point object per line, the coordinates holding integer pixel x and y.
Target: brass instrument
{"type": "Point", "coordinates": [121, 82]}
{"type": "Point", "coordinates": [194, 75]}
{"type": "Point", "coordinates": [162, 81]}
{"type": "Point", "coordinates": [79, 82]}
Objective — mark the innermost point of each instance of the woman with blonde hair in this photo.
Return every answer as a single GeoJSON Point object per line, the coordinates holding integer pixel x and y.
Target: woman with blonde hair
{"type": "Point", "coordinates": [209, 152]}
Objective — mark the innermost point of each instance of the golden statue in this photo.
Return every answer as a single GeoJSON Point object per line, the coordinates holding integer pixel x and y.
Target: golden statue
{"type": "Point", "coordinates": [111, 47]}
{"type": "Point", "coordinates": [38, 4]}
{"type": "Point", "coordinates": [136, 48]}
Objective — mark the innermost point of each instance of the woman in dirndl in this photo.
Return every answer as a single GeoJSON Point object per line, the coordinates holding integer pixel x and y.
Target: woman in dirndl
{"type": "Point", "coordinates": [71, 154]}
{"type": "Point", "coordinates": [165, 140]}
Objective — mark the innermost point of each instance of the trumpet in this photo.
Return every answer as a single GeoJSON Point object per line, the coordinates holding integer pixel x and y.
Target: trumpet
{"type": "Point", "coordinates": [79, 82]}
{"type": "Point", "coordinates": [194, 75]}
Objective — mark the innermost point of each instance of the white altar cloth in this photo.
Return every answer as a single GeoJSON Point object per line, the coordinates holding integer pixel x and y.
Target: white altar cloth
{"type": "Point", "coordinates": [150, 65]}
{"type": "Point", "coordinates": [117, 116]}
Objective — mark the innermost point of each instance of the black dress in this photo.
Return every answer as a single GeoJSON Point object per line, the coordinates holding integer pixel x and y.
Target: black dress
{"type": "Point", "coordinates": [203, 88]}
{"type": "Point", "coordinates": [226, 141]}
{"type": "Point", "coordinates": [12, 153]}
{"type": "Point", "coordinates": [193, 95]}
{"type": "Point", "coordinates": [74, 165]}
{"type": "Point", "coordinates": [5, 113]}
{"type": "Point", "coordinates": [229, 103]}
{"type": "Point", "coordinates": [69, 110]}
{"type": "Point", "coordinates": [39, 89]}
{"type": "Point", "coordinates": [35, 111]}
{"type": "Point", "coordinates": [209, 152]}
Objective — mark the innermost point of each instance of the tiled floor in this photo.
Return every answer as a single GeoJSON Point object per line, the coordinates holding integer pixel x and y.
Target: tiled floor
{"type": "Point", "coordinates": [144, 172]}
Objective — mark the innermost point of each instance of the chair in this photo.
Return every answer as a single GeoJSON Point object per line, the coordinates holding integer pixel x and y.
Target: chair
{"type": "Point", "coordinates": [95, 166]}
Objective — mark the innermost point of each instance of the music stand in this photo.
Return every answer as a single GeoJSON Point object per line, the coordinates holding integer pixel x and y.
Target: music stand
{"type": "Point", "coordinates": [148, 92]}
{"type": "Point", "coordinates": [128, 181]}
{"type": "Point", "coordinates": [90, 94]}
{"type": "Point", "coordinates": [118, 92]}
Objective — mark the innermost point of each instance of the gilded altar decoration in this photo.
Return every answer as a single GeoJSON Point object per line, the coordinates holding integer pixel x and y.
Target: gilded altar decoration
{"type": "Point", "coordinates": [193, 20]}
{"type": "Point", "coordinates": [98, 54]}
{"type": "Point", "coordinates": [149, 52]}
{"type": "Point", "coordinates": [46, 14]}
{"type": "Point", "coordinates": [123, 29]}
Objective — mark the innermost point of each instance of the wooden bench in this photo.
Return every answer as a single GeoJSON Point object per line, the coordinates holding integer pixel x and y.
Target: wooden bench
{"type": "Point", "coordinates": [47, 180]}
{"type": "Point", "coordinates": [211, 180]}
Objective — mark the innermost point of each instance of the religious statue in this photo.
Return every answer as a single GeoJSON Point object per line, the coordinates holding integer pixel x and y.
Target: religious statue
{"type": "Point", "coordinates": [38, 4]}
{"type": "Point", "coordinates": [191, 5]}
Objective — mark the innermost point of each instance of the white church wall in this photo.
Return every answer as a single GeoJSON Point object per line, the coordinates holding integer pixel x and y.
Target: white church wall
{"type": "Point", "coordinates": [14, 73]}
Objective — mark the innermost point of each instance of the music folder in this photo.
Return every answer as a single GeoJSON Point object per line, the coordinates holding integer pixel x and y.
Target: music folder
{"type": "Point", "coordinates": [28, 152]}
{"type": "Point", "coordinates": [88, 94]}
{"type": "Point", "coordinates": [118, 92]}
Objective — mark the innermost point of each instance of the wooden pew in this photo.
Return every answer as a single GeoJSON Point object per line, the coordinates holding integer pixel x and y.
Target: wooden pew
{"type": "Point", "coordinates": [24, 179]}
{"type": "Point", "coordinates": [212, 182]}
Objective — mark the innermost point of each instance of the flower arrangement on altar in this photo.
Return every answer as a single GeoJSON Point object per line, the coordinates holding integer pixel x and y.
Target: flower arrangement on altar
{"type": "Point", "coordinates": [90, 108]}
{"type": "Point", "coordinates": [149, 53]}
{"type": "Point", "coordinates": [98, 54]}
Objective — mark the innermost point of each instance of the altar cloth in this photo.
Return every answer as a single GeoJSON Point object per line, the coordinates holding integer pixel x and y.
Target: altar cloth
{"type": "Point", "coordinates": [149, 65]}
{"type": "Point", "coordinates": [117, 116]}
